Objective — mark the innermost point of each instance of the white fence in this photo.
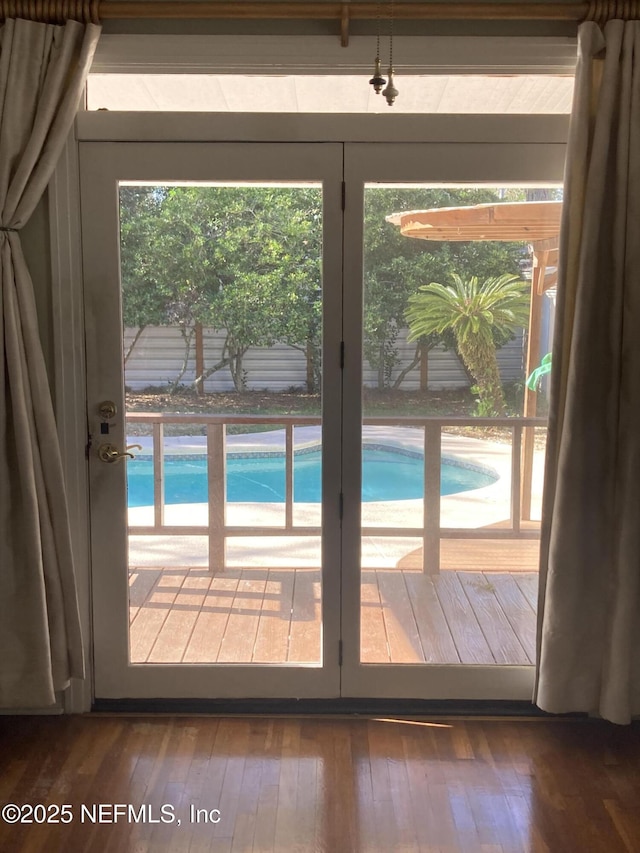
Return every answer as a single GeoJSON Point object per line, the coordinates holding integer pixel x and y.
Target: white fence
{"type": "Point", "coordinates": [158, 355]}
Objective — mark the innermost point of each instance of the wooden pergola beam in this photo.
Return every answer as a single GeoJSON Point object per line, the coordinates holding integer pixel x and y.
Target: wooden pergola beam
{"type": "Point", "coordinates": [509, 235]}
{"type": "Point", "coordinates": [534, 221]}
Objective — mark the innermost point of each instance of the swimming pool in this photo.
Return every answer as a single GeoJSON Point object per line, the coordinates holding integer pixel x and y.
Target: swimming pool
{"type": "Point", "coordinates": [387, 475]}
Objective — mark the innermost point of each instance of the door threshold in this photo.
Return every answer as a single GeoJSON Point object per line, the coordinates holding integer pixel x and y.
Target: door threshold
{"type": "Point", "coordinates": [323, 707]}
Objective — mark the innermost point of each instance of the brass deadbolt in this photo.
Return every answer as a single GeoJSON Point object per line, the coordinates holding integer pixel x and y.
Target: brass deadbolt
{"type": "Point", "coordinates": [107, 410]}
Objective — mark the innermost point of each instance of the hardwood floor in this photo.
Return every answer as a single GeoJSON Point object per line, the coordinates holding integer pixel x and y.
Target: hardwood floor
{"type": "Point", "coordinates": [340, 785]}
{"type": "Point", "coordinates": [273, 615]}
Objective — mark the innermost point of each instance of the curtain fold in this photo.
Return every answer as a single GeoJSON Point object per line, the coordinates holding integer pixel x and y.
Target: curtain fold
{"type": "Point", "coordinates": [43, 69]}
{"type": "Point", "coordinates": [589, 605]}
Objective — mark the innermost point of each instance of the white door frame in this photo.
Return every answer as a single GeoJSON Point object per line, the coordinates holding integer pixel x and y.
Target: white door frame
{"type": "Point", "coordinates": [66, 237]}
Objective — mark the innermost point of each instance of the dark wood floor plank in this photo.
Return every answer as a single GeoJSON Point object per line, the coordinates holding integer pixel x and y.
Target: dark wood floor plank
{"type": "Point", "coordinates": [196, 794]}
{"type": "Point", "coordinates": [405, 834]}
{"type": "Point", "coordinates": [227, 798]}
{"type": "Point", "coordinates": [626, 823]}
{"type": "Point", "coordinates": [305, 828]}
{"type": "Point", "coordinates": [287, 787]}
{"type": "Point", "coordinates": [337, 797]}
{"type": "Point", "coordinates": [248, 800]}
{"type": "Point", "coordinates": [265, 824]}
{"type": "Point", "coordinates": [463, 817]}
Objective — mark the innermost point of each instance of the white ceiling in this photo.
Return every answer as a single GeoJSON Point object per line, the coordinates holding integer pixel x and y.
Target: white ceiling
{"type": "Point", "coordinates": [527, 94]}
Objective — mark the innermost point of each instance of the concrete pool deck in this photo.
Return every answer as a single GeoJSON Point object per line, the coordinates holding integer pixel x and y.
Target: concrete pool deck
{"type": "Point", "coordinates": [483, 507]}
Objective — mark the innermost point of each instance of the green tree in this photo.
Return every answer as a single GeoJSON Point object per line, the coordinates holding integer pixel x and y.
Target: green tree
{"type": "Point", "coordinates": [247, 260]}
{"type": "Point", "coordinates": [395, 267]}
{"type": "Point", "coordinates": [474, 311]}
{"type": "Point", "coordinates": [143, 302]}
{"type": "Point", "coordinates": [241, 259]}
{"type": "Point", "coordinates": [269, 255]}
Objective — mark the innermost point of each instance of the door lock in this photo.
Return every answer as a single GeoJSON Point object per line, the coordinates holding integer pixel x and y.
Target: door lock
{"type": "Point", "coordinates": [110, 453]}
{"type": "Point", "coordinates": [107, 410]}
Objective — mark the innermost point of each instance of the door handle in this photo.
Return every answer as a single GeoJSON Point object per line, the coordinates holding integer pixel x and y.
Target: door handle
{"type": "Point", "coordinates": [110, 453]}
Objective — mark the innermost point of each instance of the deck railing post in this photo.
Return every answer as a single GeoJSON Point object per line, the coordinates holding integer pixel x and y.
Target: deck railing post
{"type": "Point", "coordinates": [516, 478]}
{"type": "Point", "coordinates": [216, 477]}
{"type": "Point", "coordinates": [432, 462]}
{"type": "Point", "coordinates": [527, 472]}
{"type": "Point", "coordinates": [158, 474]}
{"type": "Point", "coordinates": [288, 468]}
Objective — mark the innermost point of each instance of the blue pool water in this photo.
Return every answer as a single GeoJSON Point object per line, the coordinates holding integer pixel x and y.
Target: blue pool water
{"type": "Point", "coordinates": [386, 476]}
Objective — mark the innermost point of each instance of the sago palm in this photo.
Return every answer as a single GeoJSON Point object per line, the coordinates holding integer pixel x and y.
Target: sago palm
{"type": "Point", "coordinates": [474, 311]}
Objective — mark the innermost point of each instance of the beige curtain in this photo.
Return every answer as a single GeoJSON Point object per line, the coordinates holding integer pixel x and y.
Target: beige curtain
{"type": "Point", "coordinates": [589, 611]}
{"type": "Point", "coordinates": [42, 73]}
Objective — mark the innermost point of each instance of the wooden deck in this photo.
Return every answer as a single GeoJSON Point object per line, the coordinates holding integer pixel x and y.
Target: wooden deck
{"type": "Point", "coordinates": [273, 616]}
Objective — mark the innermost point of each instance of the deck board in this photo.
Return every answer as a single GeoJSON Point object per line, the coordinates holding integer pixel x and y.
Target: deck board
{"type": "Point", "coordinates": [466, 632]}
{"type": "Point", "coordinates": [206, 638]}
{"type": "Point", "coordinates": [175, 633]}
{"type": "Point", "coordinates": [518, 610]}
{"type": "Point", "coordinates": [152, 615]}
{"type": "Point", "coordinates": [437, 643]}
{"type": "Point", "coordinates": [528, 585]}
{"type": "Point", "coordinates": [273, 616]}
{"type": "Point", "coordinates": [244, 615]}
{"type": "Point", "coordinates": [399, 619]}
{"type": "Point", "coordinates": [501, 639]}
{"type": "Point", "coordinates": [140, 585]}
{"type": "Point", "coordinates": [374, 644]}
{"type": "Point", "coordinates": [495, 555]}
{"type": "Point", "coordinates": [304, 638]}
{"type": "Point", "coordinates": [272, 640]}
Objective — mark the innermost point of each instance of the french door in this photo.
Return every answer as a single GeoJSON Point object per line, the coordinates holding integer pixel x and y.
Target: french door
{"type": "Point", "coordinates": [223, 586]}
{"type": "Point", "coordinates": [441, 602]}
{"type": "Point", "coordinates": [239, 546]}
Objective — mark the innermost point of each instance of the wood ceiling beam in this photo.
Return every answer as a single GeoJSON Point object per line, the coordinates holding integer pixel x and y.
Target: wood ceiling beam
{"type": "Point", "coordinates": [573, 11]}
{"type": "Point", "coordinates": [342, 12]}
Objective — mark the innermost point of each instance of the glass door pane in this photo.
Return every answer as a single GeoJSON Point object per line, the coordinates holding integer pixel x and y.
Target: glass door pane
{"type": "Point", "coordinates": [456, 319]}
{"type": "Point", "coordinates": [222, 306]}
